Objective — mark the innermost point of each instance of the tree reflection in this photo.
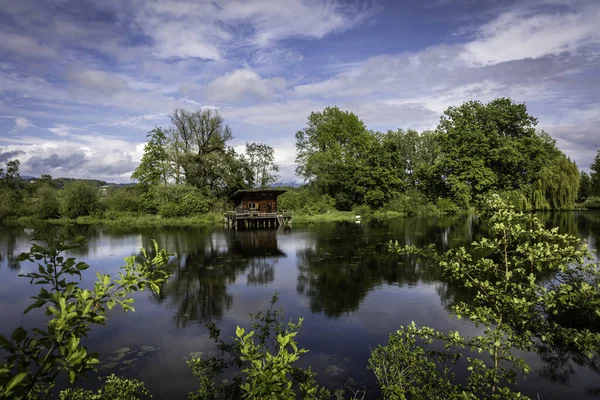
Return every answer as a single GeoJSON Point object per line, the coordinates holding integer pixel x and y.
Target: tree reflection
{"type": "Point", "coordinates": [199, 288]}
{"type": "Point", "coordinates": [346, 261]}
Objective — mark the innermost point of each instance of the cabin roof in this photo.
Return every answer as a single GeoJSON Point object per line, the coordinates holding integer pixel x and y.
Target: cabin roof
{"type": "Point", "coordinates": [259, 192]}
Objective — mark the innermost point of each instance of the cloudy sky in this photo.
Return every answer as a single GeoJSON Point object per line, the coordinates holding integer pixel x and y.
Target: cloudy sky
{"type": "Point", "coordinates": [83, 81]}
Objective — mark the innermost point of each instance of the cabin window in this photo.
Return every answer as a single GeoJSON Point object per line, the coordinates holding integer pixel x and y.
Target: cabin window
{"type": "Point", "coordinates": [253, 206]}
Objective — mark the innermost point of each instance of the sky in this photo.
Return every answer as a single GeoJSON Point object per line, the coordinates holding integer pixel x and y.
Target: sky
{"type": "Point", "coordinates": [83, 81]}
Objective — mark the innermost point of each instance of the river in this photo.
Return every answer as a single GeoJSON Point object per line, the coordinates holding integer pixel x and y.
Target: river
{"type": "Point", "coordinates": [340, 278]}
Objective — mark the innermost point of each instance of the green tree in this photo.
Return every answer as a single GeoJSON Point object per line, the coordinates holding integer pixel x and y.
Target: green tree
{"type": "Point", "coordinates": [595, 176]}
{"type": "Point", "coordinates": [154, 166]}
{"type": "Point", "coordinates": [9, 177]}
{"type": "Point", "coordinates": [489, 146]}
{"type": "Point", "coordinates": [332, 155]}
{"type": "Point", "coordinates": [585, 185]}
{"type": "Point", "coordinates": [534, 287]}
{"type": "Point", "coordinates": [261, 161]}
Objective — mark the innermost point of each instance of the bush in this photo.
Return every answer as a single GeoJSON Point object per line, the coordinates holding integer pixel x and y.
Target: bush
{"type": "Point", "coordinates": [79, 199]}
{"type": "Point", "coordinates": [123, 199]}
{"type": "Point", "coordinates": [305, 201]}
{"type": "Point", "coordinates": [593, 203]}
{"type": "Point", "coordinates": [9, 202]}
{"type": "Point", "coordinates": [447, 206]}
{"type": "Point", "coordinates": [180, 200]}
{"type": "Point", "coordinates": [45, 203]}
{"type": "Point", "coordinates": [363, 210]}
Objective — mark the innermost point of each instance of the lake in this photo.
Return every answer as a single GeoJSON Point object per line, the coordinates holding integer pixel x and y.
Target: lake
{"type": "Point", "coordinates": [340, 278]}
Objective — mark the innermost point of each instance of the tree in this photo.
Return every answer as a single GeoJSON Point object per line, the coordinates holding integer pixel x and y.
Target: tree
{"type": "Point", "coordinates": [261, 160]}
{"type": "Point", "coordinates": [197, 141]}
{"type": "Point", "coordinates": [585, 185]}
{"type": "Point", "coordinates": [486, 146]}
{"type": "Point", "coordinates": [595, 176]}
{"type": "Point", "coordinates": [535, 289]}
{"type": "Point", "coordinates": [154, 166]}
{"type": "Point", "coordinates": [10, 177]}
{"type": "Point", "coordinates": [332, 153]}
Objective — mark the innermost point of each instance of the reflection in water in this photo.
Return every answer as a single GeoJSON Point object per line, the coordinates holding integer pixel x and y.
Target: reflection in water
{"type": "Point", "coordinates": [335, 270]}
{"type": "Point", "coordinates": [198, 289]}
{"type": "Point", "coordinates": [346, 261]}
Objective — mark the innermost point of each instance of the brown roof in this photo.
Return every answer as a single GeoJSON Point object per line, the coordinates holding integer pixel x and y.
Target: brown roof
{"type": "Point", "coordinates": [260, 192]}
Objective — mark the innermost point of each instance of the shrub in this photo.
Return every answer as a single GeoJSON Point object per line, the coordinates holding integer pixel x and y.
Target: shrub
{"type": "Point", "coordinates": [45, 204]}
{"type": "Point", "coordinates": [123, 199]}
{"type": "Point", "coordinates": [362, 210]}
{"type": "Point", "coordinates": [8, 203]}
{"type": "Point", "coordinates": [593, 203]}
{"type": "Point", "coordinates": [180, 200]}
{"type": "Point", "coordinates": [305, 200]}
{"type": "Point", "coordinates": [79, 199]}
{"type": "Point", "coordinates": [447, 206]}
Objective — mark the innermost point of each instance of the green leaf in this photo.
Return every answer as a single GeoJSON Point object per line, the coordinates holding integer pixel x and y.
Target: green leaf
{"type": "Point", "coordinates": [16, 380]}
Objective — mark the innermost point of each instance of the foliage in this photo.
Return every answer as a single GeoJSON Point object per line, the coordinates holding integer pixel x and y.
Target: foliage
{"type": "Point", "coordinates": [305, 200]}
{"type": "Point", "coordinates": [9, 203]}
{"type": "Point", "coordinates": [123, 199]}
{"type": "Point", "coordinates": [517, 304]}
{"type": "Point", "coordinates": [115, 388]}
{"type": "Point", "coordinates": [557, 185]}
{"type": "Point", "coordinates": [46, 204]}
{"type": "Point", "coordinates": [199, 155]}
{"type": "Point", "coordinates": [79, 198]}
{"type": "Point", "coordinates": [9, 177]}
{"type": "Point", "coordinates": [595, 176]}
{"type": "Point", "coordinates": [35, 358]}
{"type": "Point", "coordinates": [154, 166]}
{"type": "Point", "coordinates": [261, 161]}
{"type": "Point", "coordinates": [180, 200]}
{"type": "Point", "coordinates": [593, 203]}
{"type": "Point", "coordinates": [494, 146]}
{"type": "Point", "coordinates": [332, 151]}
{"type": "Point", "coordinates": [265, 365]}
{"type": "Point", "coordinates": [585, 187]}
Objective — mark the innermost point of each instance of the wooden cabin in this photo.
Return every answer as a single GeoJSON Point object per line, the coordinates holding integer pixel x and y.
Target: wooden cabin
{"type": "Point", "coordinates": [256, 208]}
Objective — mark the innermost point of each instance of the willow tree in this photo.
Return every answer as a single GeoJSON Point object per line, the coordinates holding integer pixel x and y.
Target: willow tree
{"type": "Point", "coordinates": [557, 186]}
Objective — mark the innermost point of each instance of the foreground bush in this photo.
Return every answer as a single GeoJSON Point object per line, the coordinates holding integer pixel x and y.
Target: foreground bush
{"type": "Point", "coordinates": [34, 359]}
{"type": "Point", "coordinates": [519, 308]}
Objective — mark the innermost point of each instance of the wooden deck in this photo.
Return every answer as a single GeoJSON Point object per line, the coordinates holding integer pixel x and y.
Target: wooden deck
{"type": "Point", "coordinates": [257, 219]}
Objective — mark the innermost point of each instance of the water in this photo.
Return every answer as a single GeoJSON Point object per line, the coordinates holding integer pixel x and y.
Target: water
{"type": "Point", "coordinates": [340, 277]}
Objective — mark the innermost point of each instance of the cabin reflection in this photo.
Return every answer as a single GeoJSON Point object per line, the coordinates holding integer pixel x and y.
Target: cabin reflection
{"type": "Point", "coordinates": [198, 291]}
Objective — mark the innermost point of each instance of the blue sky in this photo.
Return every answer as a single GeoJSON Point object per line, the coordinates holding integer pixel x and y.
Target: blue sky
{"type": "Point", "coordinates": [82, 82]}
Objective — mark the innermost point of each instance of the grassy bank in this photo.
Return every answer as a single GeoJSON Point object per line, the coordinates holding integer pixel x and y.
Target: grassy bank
{"type": "Point", "coordinates": [133, 220]}
{"type": "Point", "coordinates": [130, 220]}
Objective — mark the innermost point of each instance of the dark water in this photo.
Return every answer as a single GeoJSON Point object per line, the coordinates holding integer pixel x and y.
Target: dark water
{"type": "Point", "coordinates": [340, 277]}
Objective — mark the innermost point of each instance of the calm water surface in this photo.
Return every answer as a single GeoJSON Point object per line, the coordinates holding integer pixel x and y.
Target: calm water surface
{"type": "Point", "coordinates": [340, 277]}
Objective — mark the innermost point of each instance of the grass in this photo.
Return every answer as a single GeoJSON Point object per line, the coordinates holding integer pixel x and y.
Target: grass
{"type": "Point", "coordinates": [126, 220]}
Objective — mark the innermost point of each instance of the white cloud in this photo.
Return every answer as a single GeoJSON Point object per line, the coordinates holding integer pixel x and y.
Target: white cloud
{"type": "Point", "coordinates": [85, 155]}
{"type": "Point", "coordinates": [22, 123]}
{"type": "Point", "coordinates": [99, 81]}
{"type": "Point", "coordinates": [516, 35]}
{"type": "Point", "coordinates": [61, 130]}
{"type": "Point", "coordinates": [243, 84]}
{"type": "Point", "coordinates": [25, 45]}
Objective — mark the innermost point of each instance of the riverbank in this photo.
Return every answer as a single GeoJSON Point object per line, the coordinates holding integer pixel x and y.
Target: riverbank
{"type": "Point", "coordinates": [131, 220]}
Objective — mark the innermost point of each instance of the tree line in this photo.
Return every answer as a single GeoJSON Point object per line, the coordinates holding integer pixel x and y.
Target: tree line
{"type": "Point", "coordinates": [189, 167]}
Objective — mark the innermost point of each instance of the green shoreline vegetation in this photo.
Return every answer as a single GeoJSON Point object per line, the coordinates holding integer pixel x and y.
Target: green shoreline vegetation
{"type": "Point", "coordinates": [189, 171]}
